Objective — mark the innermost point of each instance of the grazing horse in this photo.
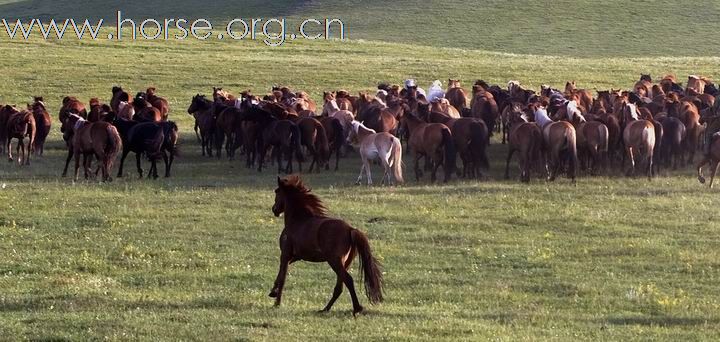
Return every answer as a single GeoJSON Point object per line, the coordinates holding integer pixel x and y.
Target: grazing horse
{"type": "Point", "coordinates": [315, 140]}
{"type": "Point", "coordinates": [526, 138]}
{"type": "Point", "coordinates": [71, 104]}
{"type": "Point", "coordinates": [203, 111]}
{"type": "Point", "coordinates": [714, 158]}
{"type": "Point", "coordinates": [142, 138]}
{"type": "Point", "coordinates": [118, 96]}
{"type": "Point", "coordinates": [158, 102]}
{"type": "Point", "coordinates": [310, 235]}
{"type": "Point", "coordinates": [560, 143]}
{"type": "Point", "coordinates": [470, 136]}
{"type": "Point", "coordinates": [99, 139]}
{"type": "Point", "coordinates": [638, 138]}
{"type": "Point", "coordinates": [18, 125]}
{"type": "Point", "coordinates": [457, 95]}
{"type": "Point", "coordinates": [336, 138]}
{"type": "Point", "coordinates": [144, 111]}
{"type": "Point", "coordinates": [432, 141]}
{"type": "Point", "coordinates": [381, 146]}
{"type": "Point", "coordinates": [43, 122]}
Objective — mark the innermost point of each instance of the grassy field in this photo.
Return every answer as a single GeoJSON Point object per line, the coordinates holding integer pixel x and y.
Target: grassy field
{"type": "Point", "coordinates": [193, 257]}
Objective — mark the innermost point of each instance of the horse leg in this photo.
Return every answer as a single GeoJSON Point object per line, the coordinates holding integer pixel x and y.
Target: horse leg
{"type": "Point", "coordinates": [700, 165]}
{"type": "Point", "coordinates": [362, 169]}
{"type": "Point", "coordinates": [507, 164]}
{"type": "Point", "coordinates": [650, 165]}
{"type": "Point", "coordinates": [139, 169]}
{"type": "Point", "coordinates": [77, 165]}
{"type": "Point", "coordinates": [418, 173]}
{"type": "Point", "coordinates": [276, 291]}
{"type": "Point", "coordinates": [712, 173]}
{"type": "Point", "coordinates": [8, 145]}
{"type": "Point", "coordinates": [367, 172]}
{"type": "Point", "coordinates": [168, 162]}
{"type": "Point", "coordinates": [337, 156]}
{"type": "Point", "coordinates": [21, 152]}
{"type": "Point", "coordinates": [336, 293]}
{"type": "Point", "coordinates": [67, 161]}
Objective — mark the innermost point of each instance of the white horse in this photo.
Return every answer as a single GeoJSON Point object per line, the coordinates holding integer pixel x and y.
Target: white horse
{"type": "Point", "coordinates": [373, 146]}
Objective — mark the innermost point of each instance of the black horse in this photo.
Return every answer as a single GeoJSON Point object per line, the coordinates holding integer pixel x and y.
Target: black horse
{"type": "Point", "coordinates": [142, 138]}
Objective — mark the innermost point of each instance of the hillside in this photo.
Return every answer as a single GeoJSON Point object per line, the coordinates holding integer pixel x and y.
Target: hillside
{"type": "Point", "coordinates": [559, 28]}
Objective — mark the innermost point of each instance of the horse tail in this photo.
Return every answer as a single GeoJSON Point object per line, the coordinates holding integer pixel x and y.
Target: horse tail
{"type": "Point", "coordinates": [339, 139]}
{"type": "Point", "coordinates": [370, 268]}
{"type": "Point", "coordinates": [450, 153]}
{"type": "Point", "coordinates": [571, 141]}
{"type": "Point", "coordinates": [478, 143]}
{"type": "Point", "coordinates": [32, 127]}
{"type": "Point", "coordinates": [114, 145]}
{"type": "Point", "coordinates": [396, 159]}
{"type": "Point", "coordinates": [604, 134]}
{"type": "Point", "coordinates": [295, 142]}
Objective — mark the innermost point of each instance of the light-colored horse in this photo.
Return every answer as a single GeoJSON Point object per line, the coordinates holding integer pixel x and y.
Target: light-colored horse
{"type": "Point", "coordinates": [378, 146]}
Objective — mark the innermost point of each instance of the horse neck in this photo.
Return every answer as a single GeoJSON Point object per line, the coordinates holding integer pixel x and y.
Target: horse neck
{"type": "Point", "coordinates": [413, 123]}
{"type": "Point", "coordinates": [363, 132]}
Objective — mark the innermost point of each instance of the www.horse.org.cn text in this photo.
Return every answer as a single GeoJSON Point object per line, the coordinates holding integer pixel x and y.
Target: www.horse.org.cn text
{"type": "Point", "coordinates": [272, 31]}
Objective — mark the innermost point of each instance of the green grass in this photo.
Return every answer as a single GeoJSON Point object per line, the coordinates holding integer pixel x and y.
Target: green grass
{"type": "Point", "coordinates": [193, 256]}
{"type": "Point", "coordinates": [559, 28]}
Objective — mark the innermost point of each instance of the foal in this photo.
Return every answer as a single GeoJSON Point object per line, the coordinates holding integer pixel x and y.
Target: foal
{"type": "Point", "coordinates": [383, 146]}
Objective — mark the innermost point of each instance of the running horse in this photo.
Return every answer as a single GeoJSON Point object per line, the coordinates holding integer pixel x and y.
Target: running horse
{"type": "Point", "coordinates": [638, 137]}
{"type": "Point", "coordinates": [310, 235]}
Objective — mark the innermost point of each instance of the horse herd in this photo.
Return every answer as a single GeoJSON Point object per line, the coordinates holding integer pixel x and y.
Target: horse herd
{"type": "Point", "coordinates": [652, 125]}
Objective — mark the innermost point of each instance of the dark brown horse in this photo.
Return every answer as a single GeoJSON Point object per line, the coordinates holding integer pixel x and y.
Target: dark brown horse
{"type": "Point", "coordinates": [484, 107]}
{"type": "Point", "coordinates": [158, 102]}
{"type": "Point", "coordinates": [228, 130]}
{"type": "Point", "coordinates": [203, 111]}
{"type": "Point", "coordinates": [119, 95]}
{"type": "Point", "coordinates": [434, 142]}
{"type": "Point", "coordinates": [526, 139]}
{"type": "Point", "coordinates": [310, 235]}
{"type": "Point", "coordinates": [43, 122]}
{"type": "Point", "coordinates": [315, 140]}
{"type": "Point", "coordinates": [671, 147]}
{"type": "Point", "coordinates": [470, 137]}
{"type": "Point", "coordinates": [336, 137]}
{"type": "Point", "coordinates": [18, 125]}
{"type": "Point", "coordinates": [689, 115]}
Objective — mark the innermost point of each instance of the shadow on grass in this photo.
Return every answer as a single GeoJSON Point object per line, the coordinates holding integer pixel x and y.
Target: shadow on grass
{"type": "Point", "coordinates": [661, 321]}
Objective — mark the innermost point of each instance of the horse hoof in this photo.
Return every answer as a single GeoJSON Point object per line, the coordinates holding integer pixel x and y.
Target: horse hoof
{"type": "Point", "coordinates": [358, 310]}
{"type": "Point", "coordinates": [10, 160]}
{"type": "Point", "coordinates": [273, 293]}
{"type": "Point", "coordinates": [701, 179]}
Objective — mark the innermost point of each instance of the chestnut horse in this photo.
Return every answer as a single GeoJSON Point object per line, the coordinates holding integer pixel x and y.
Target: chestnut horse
{"type": "Point", "coordinates": [144, 111]}
{"type": "Point", "coordinates": [457, 95]}
{"type": "Point", "coordinates": [432, 141]}
{"type": "Point", "coordinates": [526, 138]}
{"type": "Point", "coordinates": [18, 125]}
{"type": "Point", "coordinates": [98, 139]}
{"type": "Point", "coordinates": [43, 122]}
{"type": "Point", "coordinates": [484, 107]}
{"type": "Point", "coordinates": [203, 111]}
{"type": "Point", "coordinates": [310, 235]}
{"type": "Point", "coordinates": [381, 146]}
{"type": "Point", "coordinates": [71, 104]}
{"type": "Point", "coordinates": [158, 102]}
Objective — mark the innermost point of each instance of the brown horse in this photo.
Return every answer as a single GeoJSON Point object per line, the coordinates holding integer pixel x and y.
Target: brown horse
{"type": "Point", "coordinates": [158, 102]}
{"type": "Point", "coordinates": [583, 96]}
{"type": "Point", "coordinates": [638, 138]}
{"type": "Point", "coordinates": [434, 142]}
{"type": "Point", "coordinates": [526, 138]}
{"type": "Point", "coordinates": [98, 110]}
{"type": "Point", "coordinates": [671, 146]}
{"type": "Point", "coordinates": [71, 104]}
{"type": "Point", "coordinates": [457, 95]}
{"type": "Point", "coordinates": [696, 85]}
{"type": "Point", "coordinates": [315, 140]}
{"type": "Point", "coordinates": [310, 235]}
{"type": "Point", "coordinates": [592, 144]}
{"type": "Point", "coordinates": [689, 114]}
{"type": "Point", "coordinates": [470, 137]}
{"type": "Point", "coordinates": [512, 111]}
{"type": "Point", "coordinates": [228, 130]}
{"type": "Point", "coordinates": [43, 122]}
{"type": "Point", "coordinates": [98, 139]}
{"type": "Point", "coordinates": [444, 106]}
{"type": "Point", "coordinates": [18, 125]}
{"type": "Point", "coordinates": [560, 142]}
{"type": "Point", "coordinates": [484, 107]}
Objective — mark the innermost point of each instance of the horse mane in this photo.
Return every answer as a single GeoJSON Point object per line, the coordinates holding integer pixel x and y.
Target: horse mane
{"type": "Point", "coordinates": [303, 201]}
